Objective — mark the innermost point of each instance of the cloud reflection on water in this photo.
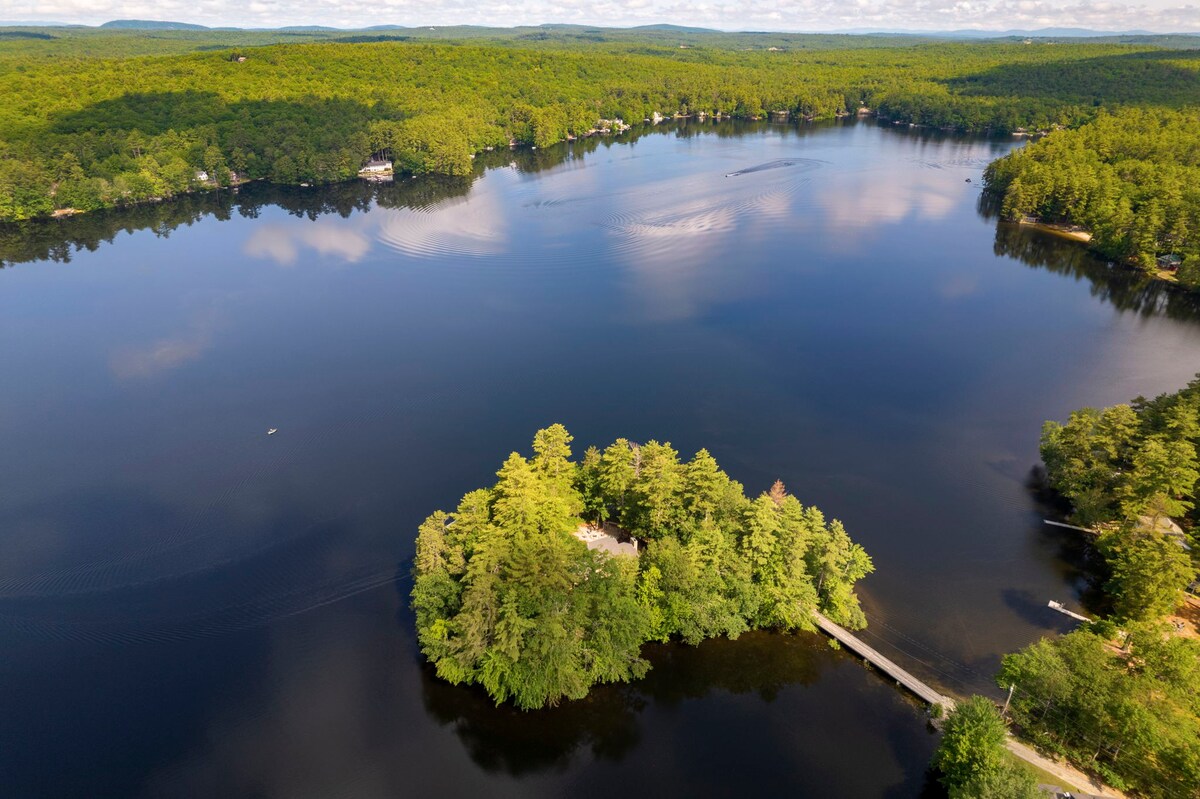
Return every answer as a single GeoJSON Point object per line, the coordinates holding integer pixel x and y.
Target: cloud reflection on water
{"type": "Point", "coordinates": [169, 352]}
{"type": "Point", "coordinates": [283, 243]}
{"type": "Point", "coordinates": [475, 225]}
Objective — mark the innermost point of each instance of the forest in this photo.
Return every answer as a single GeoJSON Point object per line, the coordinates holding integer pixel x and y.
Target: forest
{"type": "Point", "coordinates": [1130, 177]}
{"type": "Point", "coordinates": [85, 131]}
{"type": "Point", "coordinates": [1118, 696]}
{"type": "Point", "coordinates": [508, 598]}
{"type": "Point", "coordinates": [1129, 712]}
{"type": "Point", "coordinates": [1128, 471]}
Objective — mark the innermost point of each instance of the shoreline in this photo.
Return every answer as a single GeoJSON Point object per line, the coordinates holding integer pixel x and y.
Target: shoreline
{"type": "Point", "coordinates": [1084, 236]}
{"type": "Point", "coordinates": [1072, 232]}
{"type": "Point", "coordinates": [59, 214]}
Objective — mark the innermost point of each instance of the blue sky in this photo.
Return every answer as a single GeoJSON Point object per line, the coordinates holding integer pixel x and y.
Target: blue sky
{"type": "Point", "coordinates": [794, 15]}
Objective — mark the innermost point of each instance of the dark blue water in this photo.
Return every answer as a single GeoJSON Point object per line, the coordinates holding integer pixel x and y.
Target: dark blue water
{"type": "Point", "coordinates": [190, 607]}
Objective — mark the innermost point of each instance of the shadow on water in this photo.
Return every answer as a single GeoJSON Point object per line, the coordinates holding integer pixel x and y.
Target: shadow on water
{"type": "Point", "coordinates": [1127, 290]}
{"type": "Point", "coordinates": [509, 741]}
{"type": "Point", "coordinates": [607, 722]}
{"type": "Point", "coordinates": [1075, 556]}
{"type": "Point", "coordinates": [701, 695]}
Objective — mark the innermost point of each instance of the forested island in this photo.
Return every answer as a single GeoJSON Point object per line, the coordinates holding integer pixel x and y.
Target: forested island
{"type": "Point", "coordinates": [508, 595]}
{"type": "Point", "coordinates": [1119, 696]}
{"type": "Point", "coordinates": [1131, 179]}
{"type": "Point", "coordinates": [94, 129]}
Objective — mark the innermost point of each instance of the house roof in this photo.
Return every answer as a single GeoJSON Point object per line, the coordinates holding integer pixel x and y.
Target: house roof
{"type": "Point", "coordinates": [603, 541]}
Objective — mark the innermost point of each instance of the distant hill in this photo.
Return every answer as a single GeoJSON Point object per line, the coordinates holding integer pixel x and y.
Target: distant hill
{"type": "Point", "coordinates": [25, 35]}
{"type": "Point", "coordinates": [27, 23]}
{"type": "Point", "coordinates": [1046, 33]}
{"type": "Point", "coordinates": [153, 25]}
{"type": "Point", "coordinates": [666, 28]}
{"type": "Point", "coordinates": [980, 33]}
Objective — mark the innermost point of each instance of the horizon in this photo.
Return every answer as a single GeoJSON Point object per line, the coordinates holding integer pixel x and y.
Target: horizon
{"type": "Point", "coordinates": [1083, 30]}
{"type": "Point", "coordinates": [1156, 17]}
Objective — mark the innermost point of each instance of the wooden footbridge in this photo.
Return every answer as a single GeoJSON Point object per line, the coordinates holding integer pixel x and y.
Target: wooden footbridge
{"type": "Point", "coordinates": [944, 704]}
{"type": "Point", "coordinates": [886, 665]}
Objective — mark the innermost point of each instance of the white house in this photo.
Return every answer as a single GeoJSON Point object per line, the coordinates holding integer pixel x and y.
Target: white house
{"type": "Point", "coordinates": [375, 168]}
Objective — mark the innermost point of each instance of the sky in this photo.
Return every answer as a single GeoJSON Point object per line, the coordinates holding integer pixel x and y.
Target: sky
{"type": "Point", "coordinates": [786, 15]}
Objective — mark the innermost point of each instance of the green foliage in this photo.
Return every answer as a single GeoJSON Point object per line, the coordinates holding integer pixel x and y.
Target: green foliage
{"type": "Point", "coordinates": [1133, 715]}
{"type": "Point", "coordinates": [1132, 178]}
{"type": "Point", "coordinates": [507, 598]}
{"type": "Point", "coordinates": [972, 757]}
{"type": "Point", "coordinates": [1130, 468]}
{"type": "Point", "coordinates": [141, 126]}
{"type": "Point", "coordinates": [1149, 573]}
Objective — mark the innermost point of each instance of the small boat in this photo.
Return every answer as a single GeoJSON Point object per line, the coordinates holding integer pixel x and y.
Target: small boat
{"type": "Point", "coordinates": [272, 431]}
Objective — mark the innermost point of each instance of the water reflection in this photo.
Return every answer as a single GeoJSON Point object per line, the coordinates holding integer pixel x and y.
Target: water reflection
{"type": "Point", "coordinates": [606, 723]}
{"type": "Point", "coordinates": [449, 228]}
{"type": "Point", "coordinates": [893, 366]}
{"type": "Point", "coordinates": [283, 243]}
{"type": "Point", "coordinates": [169, 352]}
{"type": "Point", "coordinates": [1124, 289]}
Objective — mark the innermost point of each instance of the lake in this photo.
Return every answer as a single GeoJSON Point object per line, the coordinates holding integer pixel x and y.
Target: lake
{"type": "Point", "coordinates": [189, 607]}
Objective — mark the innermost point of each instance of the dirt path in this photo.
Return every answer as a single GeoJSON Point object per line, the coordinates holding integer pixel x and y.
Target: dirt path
{"type": "Point", "coordinates": [1063, 771]}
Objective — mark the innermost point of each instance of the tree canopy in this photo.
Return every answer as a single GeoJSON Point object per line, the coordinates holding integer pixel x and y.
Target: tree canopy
{"type": "Point", "coordinates": [101, 128]}
{"type": "Point", "coordinates": [508, 598]}
{"type": "Point", "coordinates": [1131, 715]}
{"type": "Point", "coordinates": [973, 759]}
{"type": "Point", "coordinates": [1131, 178]}
{"type": "Point", "coordinates": [1127, 471]}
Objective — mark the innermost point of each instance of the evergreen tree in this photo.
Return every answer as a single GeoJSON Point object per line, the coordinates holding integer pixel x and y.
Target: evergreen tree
{"type": "Point", "coordinates": [507, 598]}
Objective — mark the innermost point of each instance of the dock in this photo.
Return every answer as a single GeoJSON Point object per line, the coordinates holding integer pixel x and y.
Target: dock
{"type": "Point", "coordinates": [884, 664]}
{"type": "Point", "coordinates": [1087, 530]}
{"type": "Point", "coordinates": [946, 704]}
{"type": "Point", "coordinates": [1061, 608]}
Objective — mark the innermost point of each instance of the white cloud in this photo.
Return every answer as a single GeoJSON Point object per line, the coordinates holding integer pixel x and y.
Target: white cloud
{"type": "Point", "coordinates": [799, 15]}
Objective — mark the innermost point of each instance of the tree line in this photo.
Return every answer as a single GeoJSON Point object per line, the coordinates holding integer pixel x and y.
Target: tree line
{"type": "Point", "coordinates": [85, 133]}
{"type": "Point", "coordinates": [1131, 178]}
{"type": "Point", "coordinates": [506, 597]}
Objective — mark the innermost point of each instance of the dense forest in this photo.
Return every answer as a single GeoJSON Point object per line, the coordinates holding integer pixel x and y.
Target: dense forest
{"type": "Point", "coordinates": [88, 132]}
{"type": "Point", "coordinates": [507, 597]}
{"type": "Point", "coordinates": [115, 40]}
{"type": "Point", "coordinates": [1131, 178]}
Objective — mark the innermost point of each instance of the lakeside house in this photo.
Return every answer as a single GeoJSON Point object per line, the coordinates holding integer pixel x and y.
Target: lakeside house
{"type": "Point", "coordinates": [1170, 262]}
{"type": "Point", "coordinates": [376, 169]}
{"type": "Point", "coordinates": [1164, 525]}
{"type": "Point", "coordinates": [609, 538]}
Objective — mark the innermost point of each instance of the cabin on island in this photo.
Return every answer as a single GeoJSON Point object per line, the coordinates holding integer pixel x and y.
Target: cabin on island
{"type": "Point", "coordinates": [610, 539]}
{"type": "Point", "coordinates": [376, 168]}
